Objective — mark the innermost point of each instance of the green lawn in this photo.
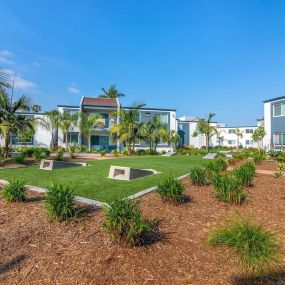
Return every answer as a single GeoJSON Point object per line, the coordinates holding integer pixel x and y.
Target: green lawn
{"type": "Point", "coordinates": [92, 181]}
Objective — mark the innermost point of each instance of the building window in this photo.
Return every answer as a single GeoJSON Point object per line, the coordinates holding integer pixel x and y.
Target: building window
{"type": "Point", "coordinates": [279, 110]}
{"type": "Point", "coordinates": [279, 139]}
{"type": "Point", "coordinates": [71, 112]}
{"type": "Point", "coordinates": [249, 131]}
{"type": "Point", "coordinates": [72, 138]}
{"type": "Point", "coordinates": [24, 139]}
{"type": "Point", "coordinates": [231, 131]}
{"type": "Point", "coordinates": [147, 114]}
{"type": "Point", "coordinates": [163, 118]}
{"type": "Point", "coordinates": [231, 142]}
{"type": "Point", "coordinates": [249, 142]}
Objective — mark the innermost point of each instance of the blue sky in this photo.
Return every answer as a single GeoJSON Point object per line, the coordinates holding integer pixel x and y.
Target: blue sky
{"type": "Point", "coordinates": [196, 56]}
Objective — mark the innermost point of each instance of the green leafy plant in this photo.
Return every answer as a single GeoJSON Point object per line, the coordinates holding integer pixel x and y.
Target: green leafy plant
{"type": "Point", "coordinates": [199, 176]}
{"type": "Point", "coordinates": [256, 247]}
{"type": "Point", "coordinates": [258, 157]}
{"type": "Point", "coordinates": [245, 173]}
{"type": "Point", "coordinates": [102, 152]}
{"type": "Point", "coordinates": [216, 166]}
{"type": "Point", "coordinates": [14, 191]}
{"type": "Point", "coordinates": [228, 188]}
{"type": "Point", "coordinates": [277, 174]}
{"type": "Point", "coordinates": [171, 190]}
{"type": "Point", "coordinates": [60, 203]}
{"type": "Point", "coordinates": [59, 156]}
{"type": "Point", "coordinates": [20, 159]}
{"type": "Point", "coordinates": [125, 223]}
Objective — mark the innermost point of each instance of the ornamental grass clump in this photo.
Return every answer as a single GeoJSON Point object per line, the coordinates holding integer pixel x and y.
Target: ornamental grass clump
{"type": "Point", "coordinates": [216, 166]}
{"type": "Point", "coordinates": [125, 224]}
{"type": "Point", "coordinates": [258, 157]}
{"type": "Point", "coordinates": [228, 188]}
{"type": "Point", "coordinates": [255, 247]}
{"type": "Point", "coordinates": [171, 190]}
{"type": "Point", "coordinates": [245, 173]}
{"type": "Point", "coordinates": [14, 191]}
{"type": "Point", "coordinates": [60, 203]}
{"type": "Point", "coordinates": [199, 176]}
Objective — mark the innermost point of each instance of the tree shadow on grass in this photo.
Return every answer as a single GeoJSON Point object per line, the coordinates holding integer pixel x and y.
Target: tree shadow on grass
{"type": "Point", "coordinates": [267, 279]}
{"type": "Point", "coordinates": [10, 265]}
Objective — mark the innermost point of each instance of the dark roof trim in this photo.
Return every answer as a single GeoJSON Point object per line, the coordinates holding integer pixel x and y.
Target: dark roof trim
{"type": "Point", "coordinates": [274, 99]}
{"type": "Point", "coordinates": [68, 106]}
{"type": "Point", "coordinates": [149, 109]}
{"type": "Point", "coordinates": [100, 106]}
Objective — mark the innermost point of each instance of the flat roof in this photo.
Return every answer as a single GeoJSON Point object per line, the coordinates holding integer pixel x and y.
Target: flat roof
{"type": "Point", "coordinates": [149, 109]}
{"type": "Point", "coordinates": [274, 99]}
{"type": "Point", "coordinates": [237, 127]}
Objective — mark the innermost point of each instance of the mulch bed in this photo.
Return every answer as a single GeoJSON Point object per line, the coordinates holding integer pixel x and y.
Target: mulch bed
{"type": "Point", "coordinates": [264, 165]}
{"type": "Point", "coordinates": [35, 251]}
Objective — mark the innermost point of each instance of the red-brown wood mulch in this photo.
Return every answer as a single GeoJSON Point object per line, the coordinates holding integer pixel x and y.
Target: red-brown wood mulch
{"type": "Point", "coordinates": [35, 251]}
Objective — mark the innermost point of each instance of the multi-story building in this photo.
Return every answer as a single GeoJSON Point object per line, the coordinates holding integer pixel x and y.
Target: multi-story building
{"type": "Point", "coordinates": [226, 135]}
{"type": "Point", "coordinates": [274, 123]}
{"type": "Point", "coordinates": [100, 136]}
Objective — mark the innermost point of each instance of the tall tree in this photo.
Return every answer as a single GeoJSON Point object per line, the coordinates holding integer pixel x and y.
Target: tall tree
{"type": "Point", "coordinates": [51, 122]}
{"type": "Point", "coordinates": [87, 123]}
{"type": "Point", "coordinates": [205, 128]}
{"type": "Point", "coordinates": [129, 130]}
{"type": "Point", "coordinates": [220, 137]}
{"type": "Point", "coordinates": [67, 123]}
{"type": "Point", "coordinates": [111, 93]}
{"type": "Point", "coordinates": [239, 134]}
{"type": "Point", "coordinates": [153, 132]}
{"type": "Point", "coordinates": [12, 123]}
{"type": "Point", "coordinates": [258, 136]}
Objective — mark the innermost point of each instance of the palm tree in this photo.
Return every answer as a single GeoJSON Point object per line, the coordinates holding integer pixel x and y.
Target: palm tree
{"type": "Point", "coordinates": [12, 123]}
{"type": "Point", "coordinates": [129, 130]}
{"type": "Point", "coordinates": [153, 132]}
{"type": "Point", "coordinates": [204, 127]}
{"type": "Point", "coordinates": [87, 123]}
{"type": "Point", "coordinates": [51, 122]}
{"type": "Point", "coordinates": [67, 123]}
{"type": "Point", "coordinates": [4, 79]}
{"type": "Point", "coordinates": [172, 139]}
{"type": "Point", "coordinates": [111, 93]}
{"type": "Point", "coordinates": [220, 138]}
{"type": "Point", "coordinates": [239, 135]}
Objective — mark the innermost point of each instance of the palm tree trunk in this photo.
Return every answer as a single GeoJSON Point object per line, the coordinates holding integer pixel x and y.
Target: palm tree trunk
{"type": "Point", "coordinates": [6, 145]}
{"type": "Point", "coordinates": [207, 143]}
{"type": "Point", "coordinates": [89, 141]}
{"type": "Point", "coordinates": [66, 141]}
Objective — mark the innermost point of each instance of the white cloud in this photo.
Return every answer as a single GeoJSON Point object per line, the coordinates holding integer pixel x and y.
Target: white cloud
{"type": "Point", "coordinates": [73, 89]}
{"type": "Point", "coordinates": [23, 84]}
{"type": "Point", "coordinates": [5, 57]}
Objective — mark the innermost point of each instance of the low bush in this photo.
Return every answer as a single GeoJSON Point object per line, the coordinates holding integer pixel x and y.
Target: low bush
{"type": "Point", "coordinates": [228, 188]}
{"type": "Point", "coordinates": [20, 159]}
{"type": "Point", "coordinates": [125, 223]}
{"type": "Point", "coordinates": [102, 152]}
{"type": "Point", "coordinates": [277, 174]}
{"type": "Point", "coordinates": [245, 173]}
{"type": "Point", "coordinates": [216, 166]}
{"type": "Point", "coordinates": [14, 191]}
{"type": "Point", "coordinates": [60, 203]}
{"type": "Point", "coordinates": [59, 156]}
{"type": "Point", "coordinates": [238, 155]}
{"type": "Point", "coordinates": [258, 157]}
{"type": "Point", "coordinates": [256, 248]}
{"type": "Point", "coordinates": [199, 176]}
{"type": "Point", "coordinates": [171, 190]}
{"type": "Point", "coordinates": [2, 161]}
{"type": "Point", "coordinates": [41, 154]}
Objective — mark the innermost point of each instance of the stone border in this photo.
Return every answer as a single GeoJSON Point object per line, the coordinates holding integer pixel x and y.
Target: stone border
{"type": "Point", "coordinates": [91, 201]}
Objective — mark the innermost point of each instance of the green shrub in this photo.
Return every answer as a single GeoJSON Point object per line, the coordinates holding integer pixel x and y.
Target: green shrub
{"type": "Point", "coordinates": [59, 156]}
{"type": "Point", "coordinates": [125, 152]}
{"type": "Point", "coordinates": [199, 176]}
{"type": "Point", "coordinates": [2, 161]}
{"type": "Point", "coordinates": [20, 159]}
{"type": "Point", "coordinates": [245, 173]}
{"type": "Point", "coordinates": [125, 223]}
{"type": "Point", "coordinates": [258, 157]}
{"type": "Point", "coordinates": [228, 188]}
{"type": "Point", "coordinates": [277, 174]}
{"type": "Point", "coordinates": [102, 152]}
{"type": "Point", "coordinates": [256, 248]}
{"type": "Point", "coordinates": [60, 203]}
{"type": "Point", "coordinates": [280, 158]}
{"type": "Point", "coordinates": [238, 155]}
{"type": "Point", "coordinates": [171, 190]}
{"type": "Point", "coordinates": [40, 154]}
{"type": "Point", "coordinates": [216, 166]}
{"type": "Point", "coordinates": [14, 191]}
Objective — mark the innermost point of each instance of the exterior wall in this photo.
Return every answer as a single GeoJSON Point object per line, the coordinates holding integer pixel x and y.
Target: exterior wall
{"type": "Point", "coordinates": [267, 125]}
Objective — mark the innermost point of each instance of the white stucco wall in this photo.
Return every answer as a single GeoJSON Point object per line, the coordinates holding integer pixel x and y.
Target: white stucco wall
{"type": "Point", "coordinates": [267, 124]}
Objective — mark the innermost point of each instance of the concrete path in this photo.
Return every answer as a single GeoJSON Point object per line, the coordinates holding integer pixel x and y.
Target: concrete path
{"type": "Point", "coordinates": [210, 155]}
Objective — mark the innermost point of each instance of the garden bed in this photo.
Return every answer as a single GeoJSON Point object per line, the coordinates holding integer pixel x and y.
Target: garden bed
{"type": "Point", "coordinates": [264, 165]}
{"type": "Point", "coordinates": [34, 251]}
